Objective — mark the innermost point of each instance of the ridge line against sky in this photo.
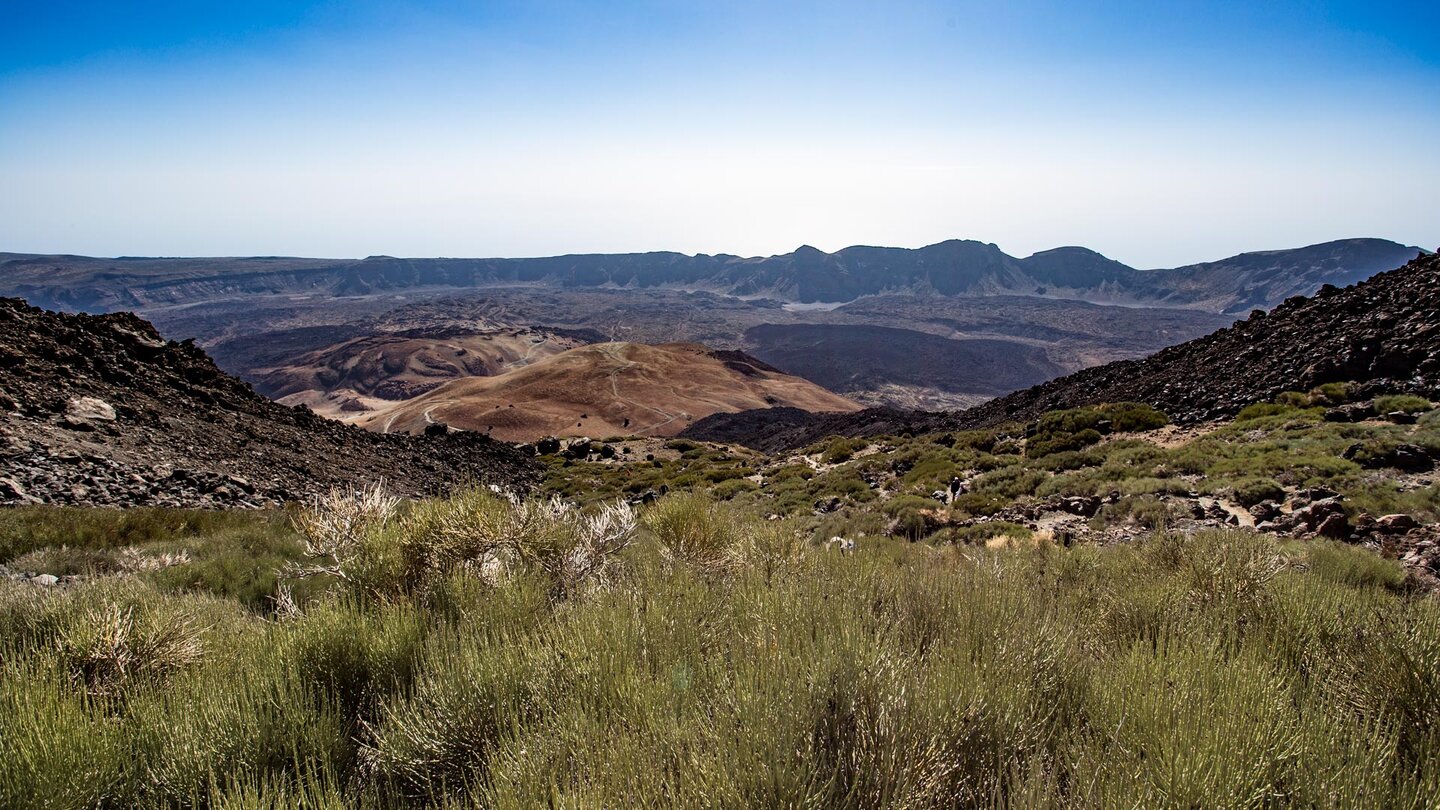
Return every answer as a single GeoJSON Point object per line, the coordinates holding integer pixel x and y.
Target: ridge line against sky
{"type": "Point", "coordinates": [1158, 135]}
{"type": "Point", "coordinates": [742, 257]}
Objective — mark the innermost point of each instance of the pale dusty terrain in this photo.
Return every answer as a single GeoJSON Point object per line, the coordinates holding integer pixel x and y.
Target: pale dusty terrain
{"type": "Point", "coordinates": [607, 389]}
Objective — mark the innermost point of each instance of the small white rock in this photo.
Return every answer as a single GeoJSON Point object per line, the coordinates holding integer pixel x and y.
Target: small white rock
{"type": "Point", "coordinates": [90, 409]}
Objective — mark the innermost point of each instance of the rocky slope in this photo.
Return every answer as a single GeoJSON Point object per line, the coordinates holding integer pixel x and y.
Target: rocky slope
{"type": "Point", "coordinates": [851, 359]}
{"type": "Point", "coordinates": [952, 268]}
{"type": "Point", "coordinates": [1382, 333]}
{"type": "Point", "coordinates": [608, 389]}
{"type": "Point", "coordinates": [101, 410]}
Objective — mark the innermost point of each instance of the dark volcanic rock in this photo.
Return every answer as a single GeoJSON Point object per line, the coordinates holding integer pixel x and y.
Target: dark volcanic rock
{"type": "Point", "coordinates": [103, 411]}
{"type": "Point", "coordinates": [852, 357]}
{"type": "Point", "coordinates": [1382, 333]}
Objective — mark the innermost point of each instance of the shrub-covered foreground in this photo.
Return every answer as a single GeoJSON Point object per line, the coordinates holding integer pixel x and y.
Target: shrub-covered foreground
{"type": "Point", "coordinates": [479, 652]}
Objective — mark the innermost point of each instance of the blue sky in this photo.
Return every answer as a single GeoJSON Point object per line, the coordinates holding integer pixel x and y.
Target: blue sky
{"type": "Point", "coordinates": [1157, 135]}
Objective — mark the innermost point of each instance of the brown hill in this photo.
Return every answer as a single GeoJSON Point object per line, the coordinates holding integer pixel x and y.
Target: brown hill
{"type": "Point", "coordinates": [102, 410]}
{"type": "Point", "coordinates": [608, 389]}
{"type": "Point", "coordinates": [1382, 334]}
{"type": "Point", "coordinates": [355, 377]}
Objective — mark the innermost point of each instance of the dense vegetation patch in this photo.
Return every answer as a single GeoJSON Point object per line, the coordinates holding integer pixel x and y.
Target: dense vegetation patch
{"type": "Point", "coordinates": [476, 650]}
{"type": "Point", "coordinates": [865, 623]}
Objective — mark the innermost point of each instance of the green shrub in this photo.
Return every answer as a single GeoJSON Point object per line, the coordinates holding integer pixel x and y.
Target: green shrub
{"type": "Point", "coordinates": [27, 528]}
{"type": "Point", "coordinates": [838, 451]}
{"type": "Point", "coordinates": [1250, 491]}
{"type": "Point", "coordinates": [1070, 460]}
{"type": "Point", "coordinates": [1130, 417]}
{"type": "Point", "coordinates": [729, 488]}
{"type": "Point", "coordinates": [845, 483]}
{"type": "Point", "coordinates": [1071, 421]}
{"type": "Point", "coordinates": [981, 440]}
{"type": "Point", "coordinates": [1040, 447]}
{"type": "Point", "coordinates": [1353, 566]}
{"type": "Point", "coordinates": [1404, 403]}
{"type": "Point", "coordinates": [1292, 399]}
{"type": "Point", "coordinates": [1009, 482]}
{"type": "Point", "coordinates": [899, 503]}
{"type": "Point", "coordinates": [1336, 393]}
{"type": "Point", "coordinates": [912, 525]}
{"type": "Point", "coordinates": [694, 530]}
{"type": "Point", "coordinates": [1146, 511]}
{"type": "Point", "coordinates": [980, 503]}
{"type": "Point", "coordinates": [729, 661]}
{"type": "Point", "coordinates": [1261, 410]}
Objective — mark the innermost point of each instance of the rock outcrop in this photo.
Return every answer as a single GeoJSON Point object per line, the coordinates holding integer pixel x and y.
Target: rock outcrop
{"type": "Point", "coordinates": [100, 410]}
{"type": "Point", "coordinates": [1382, 334]}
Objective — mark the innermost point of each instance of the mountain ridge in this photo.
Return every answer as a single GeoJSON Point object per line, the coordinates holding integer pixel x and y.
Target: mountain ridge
{"type": "Point", "coordinates": [1380, 333]}
{"type": "Point", "coordinates": [807, 275]}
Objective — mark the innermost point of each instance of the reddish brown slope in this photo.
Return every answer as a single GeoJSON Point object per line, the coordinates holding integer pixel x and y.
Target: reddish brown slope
{"type": "Point", "coordinates": [609, 389]}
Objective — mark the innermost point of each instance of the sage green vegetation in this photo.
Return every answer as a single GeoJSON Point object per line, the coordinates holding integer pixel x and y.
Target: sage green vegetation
{"type": "Point", "coordinates": [712, 650]}
{"type": "Point", "coordinates": [478, 652]}
{"type": "Point", "coordinates": [886, 485]}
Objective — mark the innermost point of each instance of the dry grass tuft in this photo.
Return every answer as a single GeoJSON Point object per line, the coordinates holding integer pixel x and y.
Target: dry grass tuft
{"type": "Point", "coordinates": [111, 649]}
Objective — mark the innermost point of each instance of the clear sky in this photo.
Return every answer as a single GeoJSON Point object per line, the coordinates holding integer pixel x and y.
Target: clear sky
{"type": "Point", "coordinates": [1157, 133]}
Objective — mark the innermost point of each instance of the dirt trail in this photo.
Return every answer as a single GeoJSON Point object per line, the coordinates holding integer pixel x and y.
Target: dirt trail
{"type": "Point", "coordinates": [613, 351]}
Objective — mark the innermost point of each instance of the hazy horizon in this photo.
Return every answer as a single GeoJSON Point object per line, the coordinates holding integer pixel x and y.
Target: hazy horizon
{"type": "Point", "coordinates": [139, 256]}
{"type": "Point", "coordinates": [1158, 137]}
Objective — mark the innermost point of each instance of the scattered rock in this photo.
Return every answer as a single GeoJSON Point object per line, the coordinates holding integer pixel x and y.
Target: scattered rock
{"type": "Point", "coordinates": [1334, 526]}
{"type": "Point", "coordinates": [1081, 505]}
{"type": "Point", "coordinates": [1398, 524]}
{"type": "Point", "coordinates": [12, 492]}
{"type": "Point", "coordinates": [87, 413]}
{"type": "Point", "coordinates": [1353, 412]}
{"type": "Point", "coordinates": [1265, 511]}
{"type": "Point", "coordinates": [192, 435]}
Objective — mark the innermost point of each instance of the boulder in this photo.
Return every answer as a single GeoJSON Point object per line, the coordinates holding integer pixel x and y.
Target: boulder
{"type": "Point", "coordinates": [1265, 511]}
{"type": "Point", "coordinates": [1081, 505]}
{"type": "Point", "coordinates": [1354, 412]}
{"type": "Point", "coordinates": [1406, 458]}
{"type": "Point", "coordinates": [11, 490]}
{"type": "Point", "coordinates": [1311, 517]}
{"type": "Point", "coordinates": [1334, 526]}
{"type": "Point", "coordinates": [87, 413]}
{"type": "Point", "coordinates": [1397, 524]}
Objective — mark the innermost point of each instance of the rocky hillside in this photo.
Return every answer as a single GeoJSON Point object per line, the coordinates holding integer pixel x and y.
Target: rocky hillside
{"type": "Point", "coordinates": [852, 359]}
{"type": "Point", "coordinates": [102, 410]}
{"type": "Point", "coordinates": [951, 268]}
{"type": "Point", "coordinates": [1382, 333]}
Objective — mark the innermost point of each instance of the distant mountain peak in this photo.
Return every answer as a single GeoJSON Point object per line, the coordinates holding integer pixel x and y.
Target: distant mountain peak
{"type": "Point", "coordinates": [955, 267]}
